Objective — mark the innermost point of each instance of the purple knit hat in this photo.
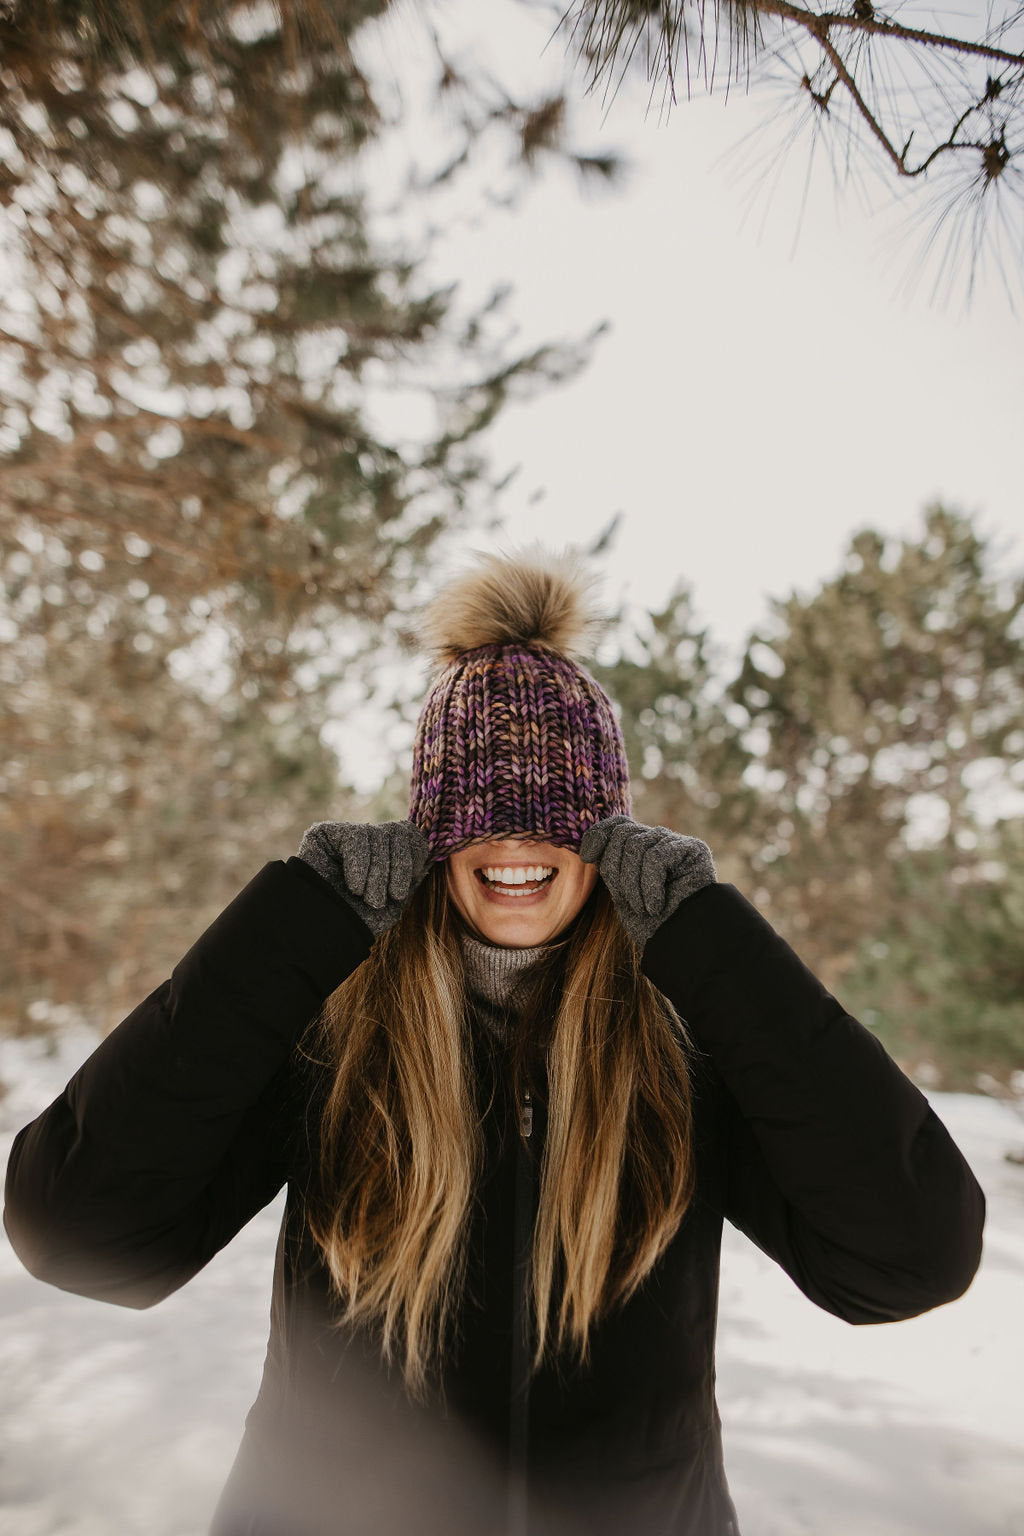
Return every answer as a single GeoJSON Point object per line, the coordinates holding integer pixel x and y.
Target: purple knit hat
{"type": "Point", "coordinates": [515, 738]}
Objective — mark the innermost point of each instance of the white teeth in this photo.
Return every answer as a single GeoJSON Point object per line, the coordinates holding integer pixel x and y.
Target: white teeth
{"type": "Point", "coordinates": [529, 874]}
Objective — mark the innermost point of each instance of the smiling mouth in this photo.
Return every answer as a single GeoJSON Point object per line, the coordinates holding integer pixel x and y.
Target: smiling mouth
{"type": "Point", "coordinates": [515, 880]}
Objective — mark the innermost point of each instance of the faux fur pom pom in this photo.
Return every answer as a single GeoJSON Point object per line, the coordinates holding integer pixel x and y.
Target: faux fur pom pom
{"type": "Point", "coordinates": [528, 597]}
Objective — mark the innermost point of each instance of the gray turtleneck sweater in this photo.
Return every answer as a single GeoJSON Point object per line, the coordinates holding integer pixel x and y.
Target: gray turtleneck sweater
{"type": "Point", "coordinates": [495, 976]}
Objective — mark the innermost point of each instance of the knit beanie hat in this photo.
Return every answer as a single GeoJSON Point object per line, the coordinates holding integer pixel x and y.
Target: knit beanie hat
{"type": "Point", "coordinates": [515, 739]}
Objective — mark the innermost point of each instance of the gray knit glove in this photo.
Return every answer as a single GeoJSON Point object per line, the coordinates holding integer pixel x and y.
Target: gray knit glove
{"type": "Point", "coordinates": [648, 870]}
{"type": "Point", "coordinates": [374, 868]}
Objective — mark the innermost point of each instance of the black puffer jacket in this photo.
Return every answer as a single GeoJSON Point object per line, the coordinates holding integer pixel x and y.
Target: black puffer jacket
{"type": "Point", "coordinates": [190, 1116]}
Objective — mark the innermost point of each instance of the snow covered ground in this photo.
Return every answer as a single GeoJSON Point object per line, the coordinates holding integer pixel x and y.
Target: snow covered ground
{"type": "Point", "coordinates": [116, 1423]}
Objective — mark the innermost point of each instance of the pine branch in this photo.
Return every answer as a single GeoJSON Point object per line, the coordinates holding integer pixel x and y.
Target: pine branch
{"type": "Point", "coordinates": [865, 20]}
{"type": "Point", "coordinates": [924, 95]}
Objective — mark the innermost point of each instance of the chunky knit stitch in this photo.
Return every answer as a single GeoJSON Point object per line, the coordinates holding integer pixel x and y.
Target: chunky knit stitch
{"type": "Point", "coordinates": [515, 741]}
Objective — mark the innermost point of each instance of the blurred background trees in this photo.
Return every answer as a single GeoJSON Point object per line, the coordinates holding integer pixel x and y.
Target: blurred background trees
{"type": "Point", "coordinates": [210, 542]}
{"type": "Point", "coordinates": [214, 536]}
{"type": "Point", "coordinates": [862, 777]}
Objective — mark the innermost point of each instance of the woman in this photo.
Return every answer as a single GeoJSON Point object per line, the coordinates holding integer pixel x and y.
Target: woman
{"type": "Point", "coordinates": [515, 1059]}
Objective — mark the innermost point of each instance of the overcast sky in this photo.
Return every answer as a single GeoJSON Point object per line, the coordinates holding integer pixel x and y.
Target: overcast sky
{"type": "Point", "coordinates": [767, 384]}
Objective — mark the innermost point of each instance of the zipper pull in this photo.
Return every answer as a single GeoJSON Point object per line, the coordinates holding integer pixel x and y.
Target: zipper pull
{"type": "Point", "coordinates": [526, 1115]}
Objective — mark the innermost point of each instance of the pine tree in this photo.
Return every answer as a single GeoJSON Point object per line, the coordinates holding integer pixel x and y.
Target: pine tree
{"type": "Point", "coordinates": [686, 753]}
{"type": "Point", "coordinates": [209, 541]}
{"type": "Point", "coordinates": [942, 981]}
{"type": "Point", "coordinates": [860, 778]}
{"type": "Point", "coordinates": [872, 699]}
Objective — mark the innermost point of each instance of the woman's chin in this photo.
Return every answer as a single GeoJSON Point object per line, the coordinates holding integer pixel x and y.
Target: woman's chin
{"type": "Point", "coordinates": [513, 930]}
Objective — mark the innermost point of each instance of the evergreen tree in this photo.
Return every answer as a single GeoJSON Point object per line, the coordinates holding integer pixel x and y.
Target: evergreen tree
{"type": "Point", "coordinates": [942, 981]}
{"type": "Point", "coordinates": [860, 777]}
{"type": "Point", "coordinates": [209, 540]}
{"type": "Point", "coordinates": [869, 703]}
{"type": "Point", "coordinates": [686, 754]}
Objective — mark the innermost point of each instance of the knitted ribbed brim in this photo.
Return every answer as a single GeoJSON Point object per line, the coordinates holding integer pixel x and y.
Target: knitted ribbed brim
{"type": "Point", "coordinates": [515, 741]}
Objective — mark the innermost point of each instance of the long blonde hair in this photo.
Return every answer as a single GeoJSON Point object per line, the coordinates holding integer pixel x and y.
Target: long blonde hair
{"type": "Point", "coordinates": [401, 1146]}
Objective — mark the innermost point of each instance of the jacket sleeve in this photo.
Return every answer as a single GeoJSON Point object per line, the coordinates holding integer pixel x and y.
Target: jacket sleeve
{"type": "Point", "coordinates": [836, 1165]}
{"type": "Point", "coordinates": [170, 1136]}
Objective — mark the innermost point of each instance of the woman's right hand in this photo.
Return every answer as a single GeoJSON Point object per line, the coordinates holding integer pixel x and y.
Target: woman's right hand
{"type": "Point", "coordinates": [375, 868]}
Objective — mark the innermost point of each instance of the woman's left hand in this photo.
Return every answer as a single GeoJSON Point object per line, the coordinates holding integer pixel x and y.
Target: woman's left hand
{"type": "Point", "coordinates": [648, 870]}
